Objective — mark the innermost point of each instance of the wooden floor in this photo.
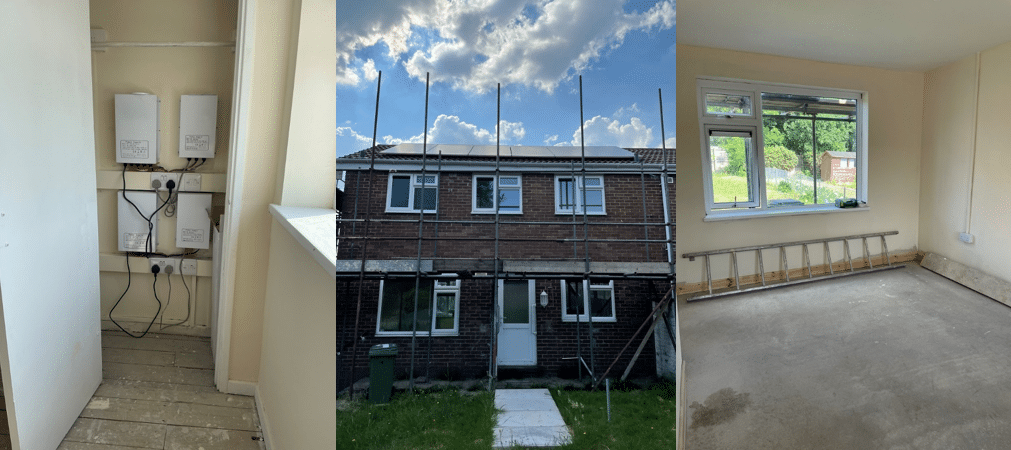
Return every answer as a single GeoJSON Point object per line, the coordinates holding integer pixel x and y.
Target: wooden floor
{"type": "Point", "coordinates": [158, 392]}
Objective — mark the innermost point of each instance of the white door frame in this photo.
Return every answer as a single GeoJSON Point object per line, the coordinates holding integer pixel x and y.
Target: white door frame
{"type": "Point", "coordinates": [238, 134]}
{"type": "Point", "coordinates": [500, 318]}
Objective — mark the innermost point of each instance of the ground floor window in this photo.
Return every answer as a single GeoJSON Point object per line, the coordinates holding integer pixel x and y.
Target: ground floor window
{"type": "Point", "coordinates": [437, 311]}
{"type": "Point", "coordinates": [596, 295]}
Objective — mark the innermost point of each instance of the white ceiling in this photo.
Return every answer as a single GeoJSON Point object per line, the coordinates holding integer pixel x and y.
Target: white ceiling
{"type": "Point", "coordinates": [913, 35]}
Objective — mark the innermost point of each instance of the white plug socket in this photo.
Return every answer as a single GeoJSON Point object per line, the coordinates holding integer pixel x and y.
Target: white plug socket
{"type": "Point", "coordinates": [190, 182]}
{"type": "Point", "coordinates": [966, 237]}
{"type": "Point", "coordinates": [188, 267]}
{"type": "Point", "coordinates": [164, 264]}
{"type": "Point", "coordinates": [159, 180]}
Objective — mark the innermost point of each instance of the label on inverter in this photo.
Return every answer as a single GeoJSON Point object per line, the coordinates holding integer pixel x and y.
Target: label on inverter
{"type": "Point", "coordinates": [135, 241]}
{"type": "Point", "coordinates": [192, 235]}
{"type": "Point", "coordinates": [198, 142]}
{"type": "Point", "coordinates": [133, 149]}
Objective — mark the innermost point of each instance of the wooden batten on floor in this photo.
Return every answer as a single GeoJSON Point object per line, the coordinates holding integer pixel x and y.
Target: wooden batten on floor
{"type": "Point", "coordinates": [795, 273]}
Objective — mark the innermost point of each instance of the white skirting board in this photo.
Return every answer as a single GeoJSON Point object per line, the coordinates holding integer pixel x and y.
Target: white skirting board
{"type": "Point", "coordinates": [264, 421]}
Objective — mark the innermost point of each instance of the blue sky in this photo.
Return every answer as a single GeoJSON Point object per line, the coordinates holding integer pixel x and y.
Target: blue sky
{"type": "Point", "coordinates": [536, 49]}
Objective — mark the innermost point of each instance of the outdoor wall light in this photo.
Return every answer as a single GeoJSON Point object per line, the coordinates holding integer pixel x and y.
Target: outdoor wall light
{"type": "Point", "coordinates": [544, 299]}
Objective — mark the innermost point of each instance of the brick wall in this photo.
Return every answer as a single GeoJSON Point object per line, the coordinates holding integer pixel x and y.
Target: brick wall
{"type": "Point", "coordinates": [467, 355]}
{"type": "Point", "coordinates": [623, 203]}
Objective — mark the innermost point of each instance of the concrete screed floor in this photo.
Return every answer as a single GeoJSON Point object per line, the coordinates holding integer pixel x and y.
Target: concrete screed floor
{"type": "Point", "coordinates": [158, 392]}
{"type": "Point", "coordinates": [902, 359]}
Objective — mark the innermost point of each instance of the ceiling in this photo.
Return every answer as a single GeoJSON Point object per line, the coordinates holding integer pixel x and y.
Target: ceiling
{"type": "Point", "coordinates": [910, 35]}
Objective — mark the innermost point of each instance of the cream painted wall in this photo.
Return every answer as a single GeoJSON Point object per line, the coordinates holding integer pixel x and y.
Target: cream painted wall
{"type": "Point", "coordinates": [168, 73]}
{"type": "Point", "coordinates": [895, 100]}
{"type": "Point", "coordinates": [299, 330]}
{"type": "Point", "coordinates": [948, 161]}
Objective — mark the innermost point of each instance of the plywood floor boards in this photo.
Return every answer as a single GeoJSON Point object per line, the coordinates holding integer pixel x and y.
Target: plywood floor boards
{"type": "Point", "coordinates": [158, 392]}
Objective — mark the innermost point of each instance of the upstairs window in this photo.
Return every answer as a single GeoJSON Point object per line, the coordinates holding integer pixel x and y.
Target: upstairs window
{"type": "Point", "coordinates": [596, 295]}
{"type": "Point", "coordinates": [765, 147]}
{"type": "Point", "coordinates": [408, 192]}
{"type": "Point", "coordinates": [569, 196]}
{"type": "Point", "coordinates": [505, 192]}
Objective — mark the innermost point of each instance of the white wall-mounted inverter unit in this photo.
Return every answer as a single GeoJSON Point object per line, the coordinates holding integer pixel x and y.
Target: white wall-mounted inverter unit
{"type": "Point", "coordinates": [133, 228]}
{"type": "Point", "coordinates": [193, 224]}
{"type": "Point", "coordinates": [198, 120]}
{"type": "Point", "coordinates": [136, 129]}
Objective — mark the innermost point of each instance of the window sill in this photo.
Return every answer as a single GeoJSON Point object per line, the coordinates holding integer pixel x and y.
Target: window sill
{"type": "Point", "coordinates": [315, 229]}
{"type": "Point", "coordinates": [408, 334]}
{"type": "Point", "coordinates": [579, 213]}
{"type": "Point", "coordinates": [511, 213]}
{"type": "Point", "coordinates": [595, 319]}
{"type": "Point", "coordinates": [409, 211]}
{"type": "Point", "coordinates": [717, 216]}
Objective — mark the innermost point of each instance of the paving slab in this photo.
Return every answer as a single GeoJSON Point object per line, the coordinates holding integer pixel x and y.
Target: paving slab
{"type": "Point", "coordinates": [530, 418]}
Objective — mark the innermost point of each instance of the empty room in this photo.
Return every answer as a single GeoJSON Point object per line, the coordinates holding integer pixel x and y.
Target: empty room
{"type": "Point", "coordinates": [843, 225]}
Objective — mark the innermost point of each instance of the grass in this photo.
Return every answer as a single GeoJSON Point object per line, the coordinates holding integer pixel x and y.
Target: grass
{"type": "Point", "coordinates": [432, 420]}
{"type": "Point", "coordinates": [727, 187]}
{"type": "Point", "coordinates": [640, 418]}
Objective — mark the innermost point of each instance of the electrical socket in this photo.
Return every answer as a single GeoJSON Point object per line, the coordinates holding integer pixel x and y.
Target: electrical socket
{"type": "Point", "coordinates": [190, 183]}
{"type": "Point", "coordinates": [164, 263]}
{"type": "Point", "coordinates": [162, 179]}
{"type": "Point", "coordinates": [188, 267]}
{"type": "Point", "coordinates": [966, 237]}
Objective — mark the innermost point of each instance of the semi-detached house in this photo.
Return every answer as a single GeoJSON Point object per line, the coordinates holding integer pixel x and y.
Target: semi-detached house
{"type": "Point", "coordinates": [505, 290]}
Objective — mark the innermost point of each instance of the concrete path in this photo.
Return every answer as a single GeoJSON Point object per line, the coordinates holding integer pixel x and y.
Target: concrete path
{"type": "Point", "coordinates": [529, 418]}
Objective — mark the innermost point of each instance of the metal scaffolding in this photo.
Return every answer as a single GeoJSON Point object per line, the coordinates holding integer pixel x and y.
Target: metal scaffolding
{"type": "Point", "coordinates": [498, 268]}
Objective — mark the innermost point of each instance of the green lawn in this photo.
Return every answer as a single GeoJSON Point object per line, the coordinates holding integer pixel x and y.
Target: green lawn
{"type": "Point", "coordinates": [727, 187]}
{"type": "Point", "coordinates": [436, 420]}
{"type": "Point", "coordinates": [640, 419]}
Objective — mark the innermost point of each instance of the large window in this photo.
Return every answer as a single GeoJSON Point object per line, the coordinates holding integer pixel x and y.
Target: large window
{"type": "Point", "coordinates": [438, 306]}
{"type": "Point", "coordinates": [506, 192]}
{"type": "Point", "coordinates": [409, 192]}
{"type": "Point", "coordinates": [775, 148]}
{"type": "Point", "coordinates": [595, 295]}
{"type": "Point", "coordinates": [569, 196]}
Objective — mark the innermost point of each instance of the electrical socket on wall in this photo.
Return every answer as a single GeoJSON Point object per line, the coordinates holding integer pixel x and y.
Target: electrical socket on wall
{"type": "Point", "coordinates": [159, 180]}
{"type": "Point", "coordinates": [188, 267]}
{"type": "Point", "coordinates": [966, 237]}
{"type": "Point", "coordinates": [190, 182]}
{"type": "Point", "coordinates": [164, 263]}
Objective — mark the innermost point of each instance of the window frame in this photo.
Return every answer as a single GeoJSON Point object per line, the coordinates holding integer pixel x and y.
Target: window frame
{"type": "Point", "coordinates": [496, 186]}
{"type": "Point", "coordinates": [414, 183]}
{"type": "Point", "coordinates": [436, 290]}
{"type": "Point", "coordinates": [709, 122]}
{"type": "Point", "coordinates": [577, 193]}
{"type": "Point", "coordinates": [589, 286]}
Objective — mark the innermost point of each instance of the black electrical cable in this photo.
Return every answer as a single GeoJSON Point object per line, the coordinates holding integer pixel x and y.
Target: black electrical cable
{"type": "Point", "coordinates": [154, 286]}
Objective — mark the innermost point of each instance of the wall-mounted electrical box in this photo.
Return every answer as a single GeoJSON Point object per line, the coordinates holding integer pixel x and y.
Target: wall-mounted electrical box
{"type": "Point", "coordinates": [198, 119]}
{"type": "Point", "coordinates": [193, 225]}
{"type": "Point", "coordinates": [133, 227]}
{"type": "Point", "coordinates": [136, 129]}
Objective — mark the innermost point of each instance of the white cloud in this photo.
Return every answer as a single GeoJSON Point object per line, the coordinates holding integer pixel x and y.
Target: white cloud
{"type": "Point", "coordinates": [605, 131]}
{"type": "Point", "coordinates": [349, 141]}
{"type": "Point", "coordinates": [550, 139]}
{"type": "Point", "coordinates": [482, 42]}
{"type": "Point", "coordinates": [369, 70]}
{"type": "Point", "coordinates": [671, 142]}
{"type": "Point", "coordinates": [451, 130]}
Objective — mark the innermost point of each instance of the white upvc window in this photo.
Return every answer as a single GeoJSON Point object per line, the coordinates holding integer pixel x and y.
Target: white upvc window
{"type": "Point", "coordinates": [506, 192]}
{"type": "Point", "coordinates": [594, 295]}
{"type": "Point", "coordinates": [407, 192]}
{"type": "Point", "coordinates": [762, 147]}
{"type": "Point", "coordinates": [569, 194]}
{"type": "Point", "coordinates": [438, 307]}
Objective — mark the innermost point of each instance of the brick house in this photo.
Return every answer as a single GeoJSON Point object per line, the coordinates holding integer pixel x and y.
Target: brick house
{"type": "Point", "coordinates": [470, 324]}
{"type": "Point", "coordinates": [839, 167]}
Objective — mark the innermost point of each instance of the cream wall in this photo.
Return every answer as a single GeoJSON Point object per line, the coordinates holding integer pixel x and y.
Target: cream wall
{"type": "Point", "coordinates": [168, 73]}
{"type": "Point", "coordinates": [895, 102]}
{"type": "Point", "coordinates": [947, 162]}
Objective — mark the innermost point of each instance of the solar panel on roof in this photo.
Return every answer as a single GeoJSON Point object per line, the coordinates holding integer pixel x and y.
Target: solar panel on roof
{"type": "Point", "coordinates": [489, 151]}
{"type": "Point", "coordinates": [515, 151]}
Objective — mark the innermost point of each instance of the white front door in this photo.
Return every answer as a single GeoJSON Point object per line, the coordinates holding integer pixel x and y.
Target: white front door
{"type": "Point", "coordinates": [517, 335]}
